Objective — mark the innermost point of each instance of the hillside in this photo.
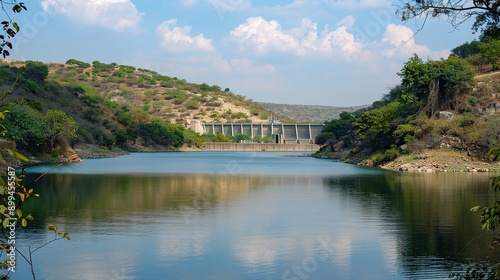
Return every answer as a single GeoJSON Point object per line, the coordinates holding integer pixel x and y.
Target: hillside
{"type": "Point", "coordinates": [444, 116]}
{"type": "Point", "coordinates": [111, 106]}
{"type": "Point", "coordinates": [309, 113]}
{"type": "Point", "coordinates": [175, 100]}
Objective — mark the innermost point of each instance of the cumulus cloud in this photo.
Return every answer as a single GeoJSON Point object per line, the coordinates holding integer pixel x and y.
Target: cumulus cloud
{"type": "Point", "coordinates": [118, 15]}
{"type": "Point", "coordinates": [177, 39]}
{"type": "Point", "coordinates": [263, 36]}
{"type": "Point", "coordinates": [358, 4]}
{"type": "Point", "coordinates": [401, 42]}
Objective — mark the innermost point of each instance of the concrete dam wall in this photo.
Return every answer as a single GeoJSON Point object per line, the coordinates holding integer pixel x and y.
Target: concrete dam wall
{"type": "Point", "coordinates": [257, 147]}
{"type": "Point", "coordinates": [281, 133]}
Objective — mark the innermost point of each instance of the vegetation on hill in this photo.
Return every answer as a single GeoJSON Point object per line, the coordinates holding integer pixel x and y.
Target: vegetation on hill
{"type": "Point", "coordinates": [307, 113]}
{"type": "Point", "coordinates": [49, 107]}
{"type": "Point", "coordinates": [445, 104]}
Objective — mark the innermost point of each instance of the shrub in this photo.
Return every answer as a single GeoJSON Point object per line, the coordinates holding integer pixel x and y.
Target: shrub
{"type": "Point", "coordinates": [323, 137]}
{"type": "Point", "coordinates": [192, 104]}
{"type": "Point", "coordinates": [77, 62]}
{"type": "Point", "coordinates": [110, 104]}
{"type": "Point", "coordinates": [466, 120]}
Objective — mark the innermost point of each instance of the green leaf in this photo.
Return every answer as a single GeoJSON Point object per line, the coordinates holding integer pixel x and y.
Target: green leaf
{"type": "Point", "coordinates": [30, 217]}
{"type": "Point", "coordinates": [21, 157]}
{"type": "Point", "coordinates": [52, 228]}
{"type": "Point", "coordinates": [5, 222]}
{"type": "Point", "coordinates": [16, 26]}
{"type": "Point", "coordinates": [495, 182]}
{"type": "Point", "coordinates": [19, 213]}
{"type": "Point", "coordinates": [475, 209]}
{"type": "Point", "coordinates": [24, 223]}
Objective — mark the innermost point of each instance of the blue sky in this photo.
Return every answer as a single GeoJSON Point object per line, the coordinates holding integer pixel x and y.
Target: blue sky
{"type": "Point", "coordinates": [315, 52]}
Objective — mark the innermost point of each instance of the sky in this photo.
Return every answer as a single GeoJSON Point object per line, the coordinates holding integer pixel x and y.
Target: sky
{"type": "Point", "coordinates": [314, 52]}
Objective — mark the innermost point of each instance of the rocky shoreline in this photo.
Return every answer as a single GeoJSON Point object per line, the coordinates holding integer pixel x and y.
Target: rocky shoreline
{"type": "Point", "coordinates": [438, 160]}
{"type": "Point", "coordinates": [441, 161]}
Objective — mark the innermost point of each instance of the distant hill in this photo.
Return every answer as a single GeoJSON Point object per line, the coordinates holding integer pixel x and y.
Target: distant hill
{"type": "Point", "coordinates": [308, 113]}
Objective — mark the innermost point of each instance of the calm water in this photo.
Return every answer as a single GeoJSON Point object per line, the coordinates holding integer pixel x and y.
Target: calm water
{"type": "Point", "coordinates": [251, 216]}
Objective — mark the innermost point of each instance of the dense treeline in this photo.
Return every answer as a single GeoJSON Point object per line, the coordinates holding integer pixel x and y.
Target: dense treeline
{"type": "Point", "coordinates": [407, 119]}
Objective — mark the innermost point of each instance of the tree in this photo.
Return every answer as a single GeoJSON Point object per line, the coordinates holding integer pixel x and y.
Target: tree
{"type": "Point", "coordinates": [436, 84]}
{"type": "Point", "coordinates": [59, 126]}
{"type": "Point", "coordinates": [10, 28]}
{"type": "Point", "coordinates": [25, 126]}
{"type": "Point", "coordinates": [339, 127]}
{"type": "Point", "coordinates": [485, 13]}
{"type": "Point", "coordinates": [467, 49]}
{"type": "Point", "coordinates": [376, 126]}
{"type": "Point", "coordinates": [36, 71]}
{"type": "Point", "coordinates": [490, 51]}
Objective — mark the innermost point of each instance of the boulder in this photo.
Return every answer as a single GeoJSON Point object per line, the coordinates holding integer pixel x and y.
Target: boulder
{"type": "Point", "coordinates": [445, 115]}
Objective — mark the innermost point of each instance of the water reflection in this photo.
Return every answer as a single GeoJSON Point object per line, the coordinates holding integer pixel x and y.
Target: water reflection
{"type": "Point", "coordinates": [355, 224]}
{"type": "Point", "coordinates": [428, 214]}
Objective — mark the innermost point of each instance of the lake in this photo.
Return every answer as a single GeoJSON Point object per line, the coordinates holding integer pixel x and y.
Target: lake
{"type": "Point", "coordinates": [237, 215]}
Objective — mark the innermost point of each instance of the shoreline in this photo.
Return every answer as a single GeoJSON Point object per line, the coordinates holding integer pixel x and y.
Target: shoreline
{"type": "Point", "coordinates": [426, 161]}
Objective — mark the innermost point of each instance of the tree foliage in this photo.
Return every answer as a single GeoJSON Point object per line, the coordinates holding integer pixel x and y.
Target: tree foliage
{"type": "Point", "coordinates": [59, 126]}
{"type": "Point", "coordinates": [489, 216]}
{"type": "Point", "coordinates": [161, 133]}
{"type": "Point", "coordinates": [436, 84]}
{"type": "Point", "coordinates": [490, 51]}
{"type": "Point", "coordinates": [485, 13]}
{"type": "Point", "coordinates": [340, 127]}
{"type": "Point", "coordinates": [10, 28]}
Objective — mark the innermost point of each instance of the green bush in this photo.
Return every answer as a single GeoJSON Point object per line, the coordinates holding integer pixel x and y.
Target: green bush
{"type": "Point", "coordinates": [110, 104]}
{"type": "Point", "coordinates": [323, 137]}
{"type": "Point", "coordinates": [178, 95]}
{"type": "Point", "coordinates": [192, 104]}
{"type": "Point", "coordinates": [466, 120]}
{"type": "Point", "coordinates": [77, 62]}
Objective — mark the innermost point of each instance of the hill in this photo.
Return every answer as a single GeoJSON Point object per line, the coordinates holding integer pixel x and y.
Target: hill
{"type": "Point", "coordinates": [444, 116]}
{"type": "Point", "coordinates": [309, 113]}
{"type": "Point", "coordinates": [112, 106]}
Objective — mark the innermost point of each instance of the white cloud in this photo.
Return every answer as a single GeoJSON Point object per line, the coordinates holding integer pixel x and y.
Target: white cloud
{"type": "Point", "coordinates": [118, 15]}
{"type": "Point", "coordinates": [348, 22]}
{"type": "Point", "coordinates": [177, 39]}
{"type": "Point", "coordinates": [230, 5]}
{"type": "Point", "coordinates": [264, 36]}
{"type": "Point", "coordinates": [267, 36]}
{"type": "Point", "coordinates": [187, 3]}
{"type": "Point", "coordinates": [401, 42]}
{"type": "Point", "coordinates": [355, 4]}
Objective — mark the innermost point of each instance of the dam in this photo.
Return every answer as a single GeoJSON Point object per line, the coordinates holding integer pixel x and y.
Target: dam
{"type": "Point", "coordinates": [281, 133]}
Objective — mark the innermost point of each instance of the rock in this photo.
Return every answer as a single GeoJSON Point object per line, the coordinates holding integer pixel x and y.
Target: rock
{"type": "Point", "coordinates": [70, 156]}
{"type": "Point", "coordinates": [445, 115]}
